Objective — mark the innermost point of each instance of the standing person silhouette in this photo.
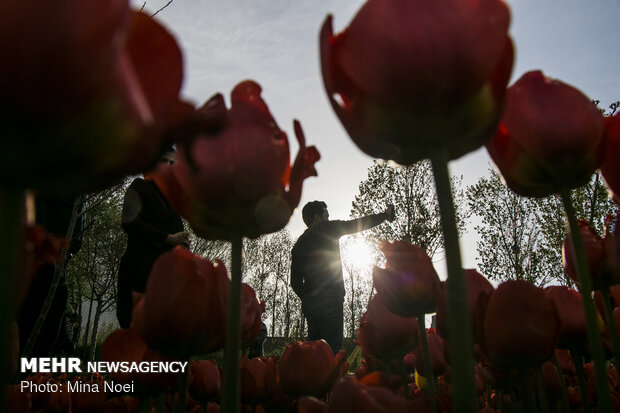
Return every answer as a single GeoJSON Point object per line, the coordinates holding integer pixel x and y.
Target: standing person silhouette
{"type": "Point", "coordinates": [152, 228]}
{"type": "Point", "coordinates": [316, 269]}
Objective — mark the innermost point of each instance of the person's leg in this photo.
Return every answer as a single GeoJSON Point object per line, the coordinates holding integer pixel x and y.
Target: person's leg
{"type": "Point", "coordinates": [331, 326]}
{"type": "Point", "coordinates": [314, 328]}
{"type": "Point", "coordinates": [124, 302]}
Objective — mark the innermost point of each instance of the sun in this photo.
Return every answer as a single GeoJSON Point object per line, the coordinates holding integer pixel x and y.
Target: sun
{"type": "Point", "coordinates": [357, 254]}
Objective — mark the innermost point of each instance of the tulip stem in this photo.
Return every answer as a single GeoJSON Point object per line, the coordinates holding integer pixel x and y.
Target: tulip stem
{"type": "Point", "coordinates": [585, 288]}
{"type": "Point", "coordinates": [459, 327]}
{"type": "Point", "coordinates": [230, 386]}
{"type": "Point", "coordinates": [611, 324]}
{"type": "Point", "coordinates": [428, 369]}
{"type": "Point", "coordinates": [12, 226]}
{"type": "Point", "coordinates": [564, 400]}
{"type": "Point", "coordinates": [581, 378]}
{"type": "Point", "coordinates": [542, 392]}
{"type": "Point", "coordinates": [526, 392]}
{"type": "Point", "coordinates": [182, 400]}
{"type": "Point", "coordinates": [145, 404]}
{"type": "Point", "coordinates": [160, 402]}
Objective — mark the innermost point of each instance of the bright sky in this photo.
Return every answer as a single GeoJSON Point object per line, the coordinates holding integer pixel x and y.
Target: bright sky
{"type": "Point", "coordinates": [275, 42]}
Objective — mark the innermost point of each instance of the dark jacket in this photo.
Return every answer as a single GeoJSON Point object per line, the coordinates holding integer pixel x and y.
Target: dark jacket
{"type": "Point", "coordinates": [147, 219]}
{"type": "Point", "coordinates": [316, 267]}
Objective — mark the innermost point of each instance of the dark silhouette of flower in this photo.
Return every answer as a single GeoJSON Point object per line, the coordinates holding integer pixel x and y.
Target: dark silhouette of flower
{"type": "Point", "coordinates": [550, 137]}
{"type": "Point", "coordinates": [183, 310]}
{"type": "Point", "coordinates": [385, 335]}
{"type": "Point", "coordinates": [520, 326]}
{"type": "Point", "coordinates": [409, 284]}
{"type": "Point", "coordinates": [90, 95]}
{"type": "Point", "coordinates": [239, 180]}
{"type": "Point", "coordinates": [409, 77]}
{"type": "Point", "coordinates": [309, 368]}
{"type": "Point", "coordinates": [610, 167]}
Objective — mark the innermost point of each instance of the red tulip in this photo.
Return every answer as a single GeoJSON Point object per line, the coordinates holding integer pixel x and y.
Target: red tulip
{"type": "Point", "coordinates": [59, 401]}
{"type": "Point", "coordinates": [600, 256]}
{"type": "Point", "coordinates": [410, 361]}
{"type": "Point", "coordinates": [123, 345]}
{"type": "Point", "coordinates": [566, 362]}
{"type": "Point", "coordinates": [87, 401]}
{"type": "Point", "coordinates": [128, 345]}
{"type": "Point", "coordinates": [206, 384]}
{"type": "Point", "coordinates": [239, 180]}
{"type": "Point", "coordinates": [309, 368]}
{"type": "Point", "coordinates": [385, 335]}
{"type": "Point", "coordinates": [550, 137]}
{"type": "Point", "coordinates": [258, 379]}
{"type": "Point", "coordinates": [477, 285]}
{"type": "Point", "coordinates": [520, 326]}
{"type": "Point", "coordinates": [183, 310]}
{"type": "Point", "coordinates": [569, 306]}
{"type": "Point", "coordinates": [409, 283]}
{"type": "Point", "coordinates": [83, 92]}
{"type": "Point", "coordinates": [40, 399]}
{"type": "Point", "coordinates": [435, 351]}
{"type": "Point", "coordinates": [251, 312]}
{"type": "Point", "coordinates": [408, 77]}
{"type": "Point", "coordinates": [156, 383]}
{"type": "Point", "coordinates": [349, 395]}
{"type": "Point", "coordinates": [551, 379]}
{"type": "Point", "coordinates": [610, 168]}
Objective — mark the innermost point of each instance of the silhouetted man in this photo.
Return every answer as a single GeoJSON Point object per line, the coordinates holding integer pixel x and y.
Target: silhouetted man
{"type": "Point", "coordinates": [316, 269]}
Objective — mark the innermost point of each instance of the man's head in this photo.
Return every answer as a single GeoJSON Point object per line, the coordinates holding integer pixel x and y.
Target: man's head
{"type": "Point", "coordinates": [315, 211]}
{"type": "Point", "coordinates": [168, 155]}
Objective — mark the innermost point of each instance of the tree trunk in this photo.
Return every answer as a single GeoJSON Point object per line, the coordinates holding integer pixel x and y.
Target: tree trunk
{"type": "Point", "coordinates": [87, 328]}
{"type": "Point", "coordinates": [287, 315]}
{"type": "Point", "coordinates": [93, 340]}
{"type": "Point", "coordinates": [273, 310]}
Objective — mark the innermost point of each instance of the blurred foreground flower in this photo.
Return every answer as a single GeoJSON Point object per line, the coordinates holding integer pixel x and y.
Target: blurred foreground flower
{"type": "Point", "coordinates": [87, 98]}
{"type": "Point", "coordinates": [258, 379]}
{"type": "Point", "coordinates": [309, 368]}
{"type": "Point", "coordinates": [183, 310]}
{"type": "Point", "coordinates": [569, 307]}
{"type": "Point", "coordinates": [409, 284]}
{"type": "Point", "coordinates": [549, 138]}
{"type": "Point", "coordinates": [127, 345]}
{"type": "Point", "coordinates": [611, 163]}
{"type": "Point", "coordinates": [409, 77]}
{"type": "Point", "coordinates": [601, 256]}
{"type": "Point", "coordinates": [239, 181]}
{"type": "Point", "coordinates": [436, 353]}
{"type": "Point", "coordinates": [349, 395]}
{"type": "Point", "coordinates": [477, 286]}
{"type": "Point", "coordinates": [385, 335]}
{"type": "Point", "coordinates": [520, 326]}
{"type": "Point", "coordinates": [206, 384]}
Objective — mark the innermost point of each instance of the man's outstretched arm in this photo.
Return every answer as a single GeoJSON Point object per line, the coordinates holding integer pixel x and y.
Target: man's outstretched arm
{"type": "Point", "coordinates": [363, 223]}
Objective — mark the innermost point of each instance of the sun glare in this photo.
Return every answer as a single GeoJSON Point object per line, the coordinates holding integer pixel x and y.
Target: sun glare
{"type": "Point", "coordinates": [358, 255]}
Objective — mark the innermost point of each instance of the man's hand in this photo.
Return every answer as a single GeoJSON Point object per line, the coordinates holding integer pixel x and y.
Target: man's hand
{"type": "Point", "coordinates": [180, 238]}
{"type": "Point", "coordinates": [389, 211]}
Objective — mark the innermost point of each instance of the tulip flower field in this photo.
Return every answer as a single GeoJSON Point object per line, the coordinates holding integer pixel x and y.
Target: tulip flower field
{"type": "Point", "coordinates": [91, 93]}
